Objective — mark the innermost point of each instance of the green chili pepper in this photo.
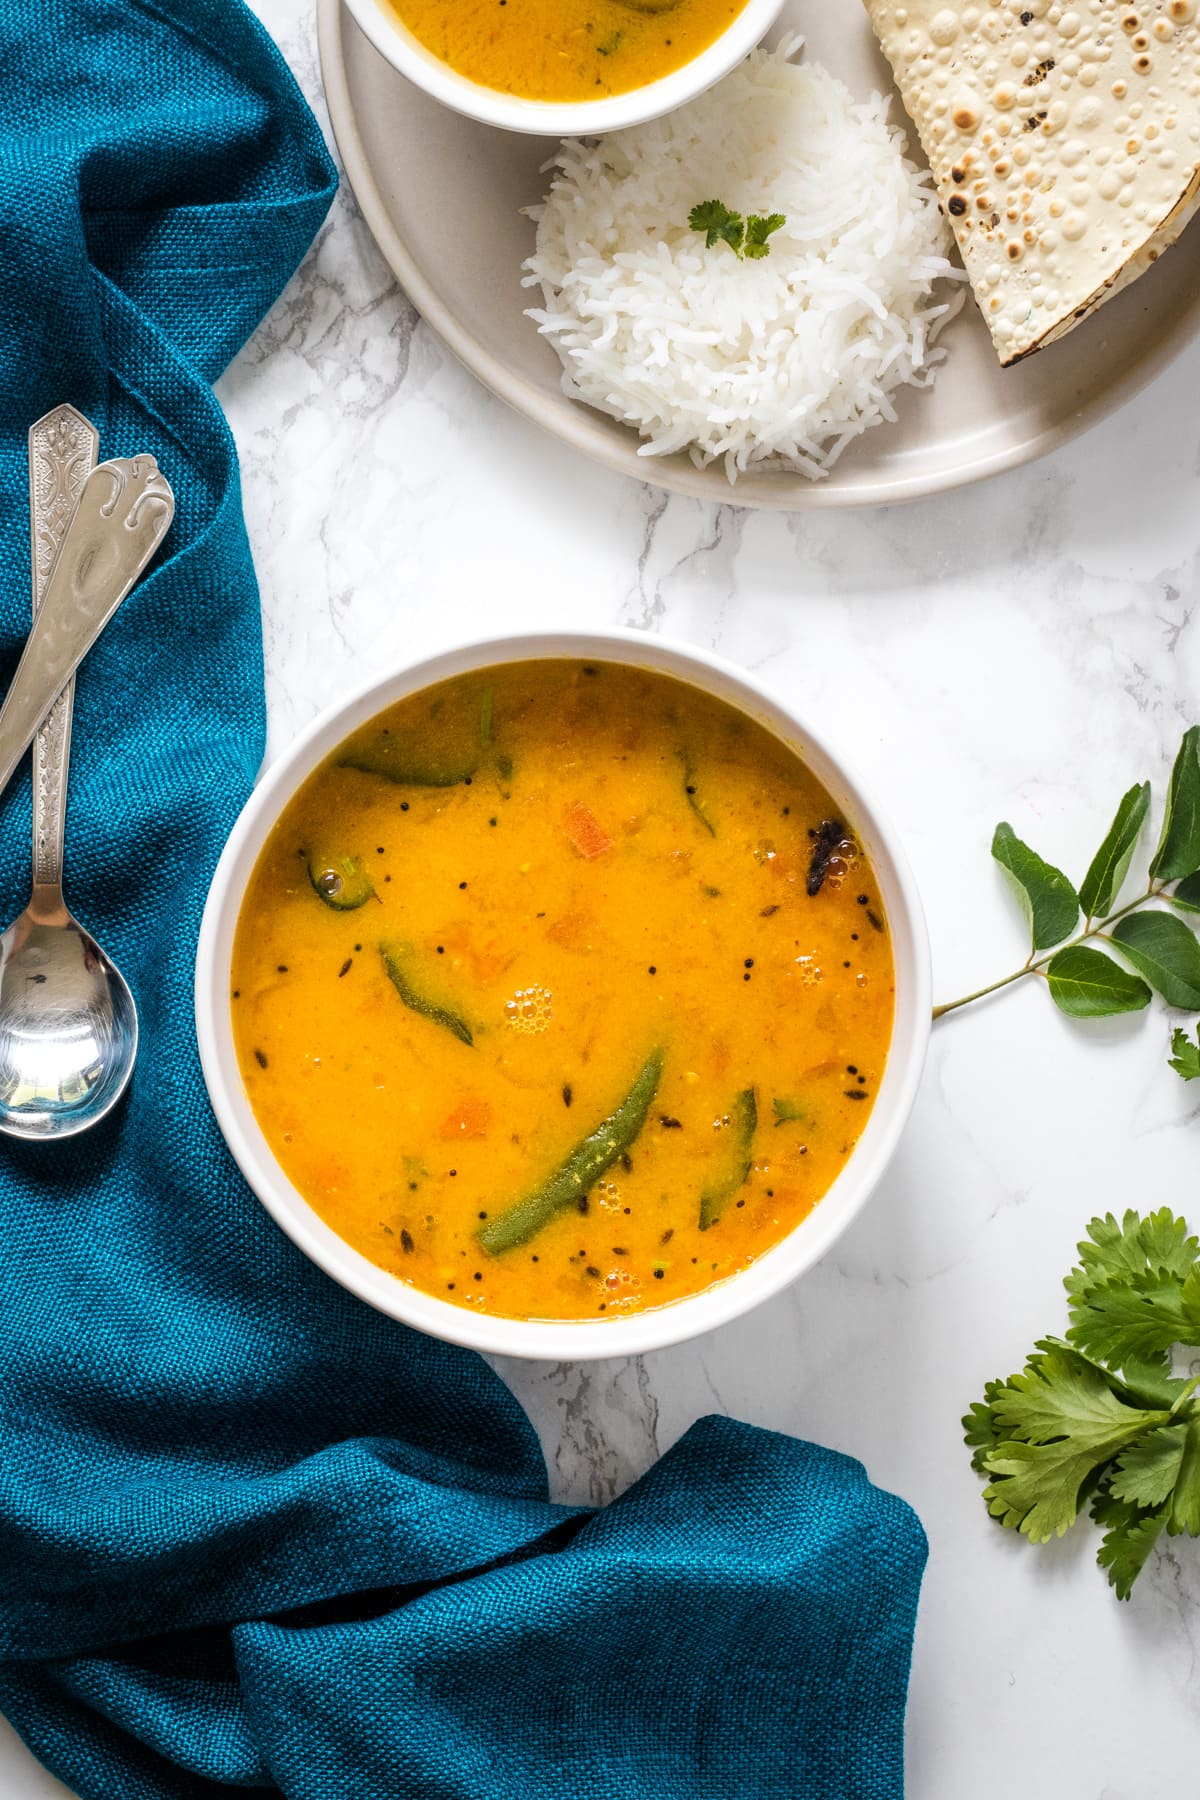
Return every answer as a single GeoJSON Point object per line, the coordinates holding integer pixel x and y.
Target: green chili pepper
{"type": "Point", "coordinates": [394, 957]}
{"type": "Point", "coordinates": [449, 746]}
{"type": "Point", "coordinates": [585, 1165]}
{"type": "Point", "coordinates": [341, 881]}
{"type": "Point", "coordinates": [743, 1122]}
{"type": "Point", "coordinates": [396, 762]}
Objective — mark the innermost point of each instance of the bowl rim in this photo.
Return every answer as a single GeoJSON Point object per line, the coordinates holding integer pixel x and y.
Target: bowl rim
{"type": "Point", "coordinates": [382, 25]}
{"type": "Point", "coordinates": [562, 1340]}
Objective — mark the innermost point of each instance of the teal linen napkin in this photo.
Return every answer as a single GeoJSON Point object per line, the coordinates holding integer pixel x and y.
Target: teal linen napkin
{"type": "Point", "coordinates": [252, 1535]}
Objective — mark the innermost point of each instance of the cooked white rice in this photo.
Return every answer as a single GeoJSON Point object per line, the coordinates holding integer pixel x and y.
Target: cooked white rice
{"type": "Point", "coordinates": [776, 363]}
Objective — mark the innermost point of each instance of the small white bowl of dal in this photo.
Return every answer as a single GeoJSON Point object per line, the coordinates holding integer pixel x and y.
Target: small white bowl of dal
{"type": "Point", "coordinates": [562, 995]}
{"type": "Point", "coordinates": [564, 68]}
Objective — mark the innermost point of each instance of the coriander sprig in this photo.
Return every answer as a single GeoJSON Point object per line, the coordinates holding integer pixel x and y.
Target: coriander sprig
{"type": "Point", "coordinates": [745, 237]}
{"type": "Point", "coordinates": [1157, 944]}
{"type": "Point", "coordinates": [1098, 1418]}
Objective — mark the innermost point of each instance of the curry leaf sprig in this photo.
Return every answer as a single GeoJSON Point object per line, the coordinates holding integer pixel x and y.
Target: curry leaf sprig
{"type": "Point", "coordinates": [745, 237]}
{"type": "Point", "coordinates": [1149, 934]}
{"type": "Point", "coordinates": [1098, 1419]}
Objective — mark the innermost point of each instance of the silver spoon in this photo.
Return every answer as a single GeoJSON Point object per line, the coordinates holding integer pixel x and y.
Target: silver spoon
{"type": "Point", "coordinates": [68, 1024]}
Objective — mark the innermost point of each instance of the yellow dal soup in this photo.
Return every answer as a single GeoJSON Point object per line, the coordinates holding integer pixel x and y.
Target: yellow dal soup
{"type": "Point", "coordinates": [561, 991]}
{"type": "Point", "coordinates": [566, 49]}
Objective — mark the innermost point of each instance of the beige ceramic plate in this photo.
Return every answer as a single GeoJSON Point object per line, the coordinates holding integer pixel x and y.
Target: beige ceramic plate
{"type": "Point", "coordinates": [414, 165]}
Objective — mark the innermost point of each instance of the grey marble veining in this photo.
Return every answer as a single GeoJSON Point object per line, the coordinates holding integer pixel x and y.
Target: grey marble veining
{"type": "Point", "coordinates": [1023, 650]}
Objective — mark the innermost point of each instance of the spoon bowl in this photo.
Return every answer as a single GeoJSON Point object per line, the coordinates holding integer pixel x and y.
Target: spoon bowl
{"type": "Point", "coordinates": [68, 1023]}
{"type": "Point", "coordinates": [68, 1028]}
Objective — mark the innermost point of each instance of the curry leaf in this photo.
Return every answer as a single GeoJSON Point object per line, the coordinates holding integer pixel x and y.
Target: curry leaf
{"type": "Point", "coordinates": [1086, 984]}
{"type": "Point", "coordinates": [1187, 894]}
{"type": "Point", "coordinates": [1050, 900]}
{"type": "Point", "coordinates": [1161, 948]}
{"type": "Point", "coordinates": [1178, 850]}
{"type": "Point", "coordinates": [1110, 865]}
{"type": "Point", "coordinates": [1150, 931]}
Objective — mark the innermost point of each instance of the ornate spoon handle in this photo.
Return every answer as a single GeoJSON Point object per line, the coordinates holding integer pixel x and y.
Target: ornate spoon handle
{"type": "Point", "coordinates": [124, 510]}
{"type": "Point", "coordinates": [62, 454]}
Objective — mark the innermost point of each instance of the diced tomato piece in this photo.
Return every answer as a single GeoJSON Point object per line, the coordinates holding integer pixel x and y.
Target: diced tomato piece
{"type": "Point", "coordinates": [486, 960]}
{"type": "Point", "coordinates": [586, 832]}
{"type": "Point", "coordinates": [572, 931]}
{"type": "Point", "coordinates": [470, 1120]}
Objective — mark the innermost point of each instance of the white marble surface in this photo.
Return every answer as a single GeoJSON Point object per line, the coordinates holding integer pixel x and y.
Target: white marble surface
{"type": "Point", "coordinates": [1025, 650]}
